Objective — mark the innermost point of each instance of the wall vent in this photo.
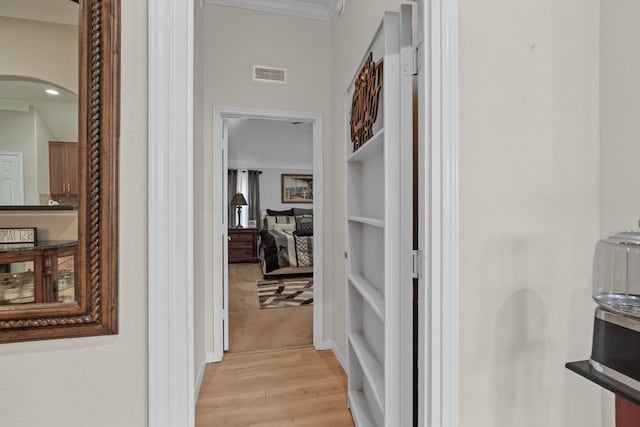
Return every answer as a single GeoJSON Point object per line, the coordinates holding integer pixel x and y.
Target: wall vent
{"type": "Point", "coordinates": [269, 74]}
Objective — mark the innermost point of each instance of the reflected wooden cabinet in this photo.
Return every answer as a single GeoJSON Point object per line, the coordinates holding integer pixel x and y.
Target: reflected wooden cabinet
{"type": "Point", "coordinates": [63, 168]}
{"type": "Point", "coordinates": [45, 273]}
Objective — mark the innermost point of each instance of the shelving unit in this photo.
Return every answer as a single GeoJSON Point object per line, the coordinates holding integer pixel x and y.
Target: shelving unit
{"type": "Point", "coordinates": [378, 198]}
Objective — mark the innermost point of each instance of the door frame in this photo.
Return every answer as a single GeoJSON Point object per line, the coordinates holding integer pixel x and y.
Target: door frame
{"type": "Point", "coordinates": [20, 157]}
{"type": "Point", "coordinates": [438, 199]}
{"type": "Point", "coordinates": [171, 378]}
{"type": "Point", "coordinates": [221, 113]}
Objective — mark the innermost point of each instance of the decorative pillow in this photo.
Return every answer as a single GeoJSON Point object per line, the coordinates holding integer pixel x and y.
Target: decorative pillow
{"type": "Point", "coordinates": [272, 220]}
{"type": "Point", "coordinates": [288, 212]}
{"type": "Point", "coordinates": [301, 211]}
{"type": "Point", "coordinates": [304, 222]}
{"type": "Point", "coordinates": [284, 227]}
{"type": "Point", "coordinates": [304, 233]}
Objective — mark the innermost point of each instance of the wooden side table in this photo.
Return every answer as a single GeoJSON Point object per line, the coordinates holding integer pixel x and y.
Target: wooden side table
{"type": "Point", "coordinates": [243, 245]}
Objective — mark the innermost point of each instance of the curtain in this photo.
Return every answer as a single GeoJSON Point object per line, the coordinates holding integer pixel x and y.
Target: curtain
{"type": "Point", "coordinates": [232, 188]}
{"type": "Point", "coordinates": [254, 196]}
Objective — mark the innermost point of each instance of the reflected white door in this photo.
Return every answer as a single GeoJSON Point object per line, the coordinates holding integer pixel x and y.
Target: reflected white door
{"type": "Point", "coordinates": [11, 179]}
{"type": "Point", "coordinates": [225, 233]}
{"type": "Point", "coordinates": [379, 175]}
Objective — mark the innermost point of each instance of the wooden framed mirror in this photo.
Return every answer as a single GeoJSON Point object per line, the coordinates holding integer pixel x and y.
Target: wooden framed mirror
{"type": "Point", "coordinates": [63, 288]}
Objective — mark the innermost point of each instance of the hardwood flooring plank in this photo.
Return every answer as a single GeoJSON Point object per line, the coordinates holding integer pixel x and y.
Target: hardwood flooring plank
{"type": "Point", "coordinates": [297, 387]}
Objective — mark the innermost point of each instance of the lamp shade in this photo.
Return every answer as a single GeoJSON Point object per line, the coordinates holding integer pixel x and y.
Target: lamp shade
{"type": "Point", "coordinates": [238, 200]}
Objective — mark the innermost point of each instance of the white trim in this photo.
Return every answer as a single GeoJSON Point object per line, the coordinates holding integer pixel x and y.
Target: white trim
{"type": "Point", "coordinates": [438, 319]}
{"type": "Point", "coordinates": [225, 112]}
{"type": "Point", "coordinates": [171, 382]}
{"type": "Point", "coordinates": [199, 379]}
{"type": "Point", "coordinates": [285, 7]}
{"type": "Point", "coordinates": [331, 345]}
{"type": "Point", "coordinates": [269, 164]}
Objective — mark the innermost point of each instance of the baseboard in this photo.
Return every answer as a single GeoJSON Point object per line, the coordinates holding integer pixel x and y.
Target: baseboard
{"type": "Point", "coordinates": [199, 379]}
{"type": "Point", "coordinates": [211, 358]}
{"type": "Point", "coordinates": [331, 345]}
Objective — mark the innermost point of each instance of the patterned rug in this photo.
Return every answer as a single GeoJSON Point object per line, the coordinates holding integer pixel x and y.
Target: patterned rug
{"type": "Point", "coordinates": [285, 292]}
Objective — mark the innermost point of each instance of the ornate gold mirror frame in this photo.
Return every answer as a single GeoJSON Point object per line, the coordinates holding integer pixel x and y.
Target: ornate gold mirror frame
{"type": "Point", "coordinates": [96, 310]}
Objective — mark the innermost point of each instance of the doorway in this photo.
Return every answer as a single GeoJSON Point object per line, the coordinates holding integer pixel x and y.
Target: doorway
{"type": "Point", "coordinates": [246, 275]}
{"type": "Point", "coordinates": [11, 179]}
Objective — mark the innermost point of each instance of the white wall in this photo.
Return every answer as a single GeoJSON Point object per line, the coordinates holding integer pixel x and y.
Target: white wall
{"type": "Point", "coordinates": [619, 116]}
{"type": "Point", "coordinates": [99, 381]}
{"type": "Point", "coordinates": [42, 136]}
{"type": "Point", "coordinates": [529, 211]}
{"type": "Point", "coordinates": [199, 122]}
{"type": "Point", "coordinates": [40, 50]}
{"type": "Point", "coordinates": [274, 147]}
{"type": "Point", "coordinates": [235, 40]}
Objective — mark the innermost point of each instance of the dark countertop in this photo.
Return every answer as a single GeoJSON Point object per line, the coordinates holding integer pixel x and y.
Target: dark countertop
{"type": "Point", "coordinates": [584, 369]}
{"type": "Point", "coordinates": [40, 246]}
{"type": "Point", "coordinates": [38, 208]}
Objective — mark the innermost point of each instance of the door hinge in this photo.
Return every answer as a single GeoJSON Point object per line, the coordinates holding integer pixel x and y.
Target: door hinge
{"type": "Point", "coordinates": [416, 256]}
{"type": "Point", "coordinates": [409, 57]}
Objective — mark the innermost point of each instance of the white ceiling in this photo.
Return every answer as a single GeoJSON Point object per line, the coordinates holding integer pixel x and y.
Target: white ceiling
{"type": "Point", "coordinates": [267, 144]}
{"type": "Point", "coordinates": [53, 11]}
{"type": "Point", "coordinates": [323, 10]}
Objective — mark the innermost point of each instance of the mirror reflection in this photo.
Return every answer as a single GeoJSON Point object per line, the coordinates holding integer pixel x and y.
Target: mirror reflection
{"type": "Point", "coordinates": [38, 144]}
{"type": "Point", "coordinates": [17, 282]}
{"type": "Point", "coordinates": [39, 158]}
{"type": "Point", "coordinates": [38, 102]}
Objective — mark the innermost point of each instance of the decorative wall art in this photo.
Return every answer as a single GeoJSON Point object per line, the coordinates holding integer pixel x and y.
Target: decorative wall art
{"type": "Point", "coordinates": [366, 98]}
{"type": "Point", "coordinates": [297, 188]}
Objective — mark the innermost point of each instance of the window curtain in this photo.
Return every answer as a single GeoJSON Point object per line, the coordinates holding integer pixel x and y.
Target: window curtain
{"type": "Point", "coordinates": [232, 187]}
{"type": "Point", "coordinates": [254, 196]}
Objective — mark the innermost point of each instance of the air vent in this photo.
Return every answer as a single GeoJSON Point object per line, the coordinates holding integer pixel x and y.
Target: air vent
{"type": "Point", "coordinates": [269, 74]}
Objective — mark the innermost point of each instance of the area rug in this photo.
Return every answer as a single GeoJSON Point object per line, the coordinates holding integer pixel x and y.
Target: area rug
{"type": "Point", "coordinates": [285, 292]}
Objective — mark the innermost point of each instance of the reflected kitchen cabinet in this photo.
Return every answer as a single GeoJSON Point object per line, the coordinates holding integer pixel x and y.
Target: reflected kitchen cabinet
{"type": "Point", "coordinates": [63, 168]}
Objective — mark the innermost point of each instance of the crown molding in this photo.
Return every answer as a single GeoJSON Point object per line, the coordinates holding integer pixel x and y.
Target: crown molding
{"type": "Point", "coordinates": [287, 7]}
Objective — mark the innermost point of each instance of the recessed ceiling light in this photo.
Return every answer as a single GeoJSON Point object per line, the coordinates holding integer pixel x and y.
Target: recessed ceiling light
{"type": "Point", "coordinates": [52, 92]}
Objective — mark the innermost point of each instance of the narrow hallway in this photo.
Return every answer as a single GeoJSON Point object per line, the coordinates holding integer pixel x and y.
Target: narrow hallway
{"type": "Point", "coordinates": [285, 388]}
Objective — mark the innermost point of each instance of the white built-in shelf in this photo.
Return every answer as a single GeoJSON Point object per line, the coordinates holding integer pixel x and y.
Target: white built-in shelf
{"type": "Point", "coordinates": [360, 409]}
{"type": "Point", "coordinates": [368, 221]}
{"type": "Point", "coordinates": [369, 293]}
{"type": "Point", "coordinates": [371, 368]}
{"type": "Point", "coordinates": [370, 148]}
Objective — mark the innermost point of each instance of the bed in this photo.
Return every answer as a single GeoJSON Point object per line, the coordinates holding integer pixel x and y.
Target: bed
{"type": "Point", "coordinates": [286, 242]}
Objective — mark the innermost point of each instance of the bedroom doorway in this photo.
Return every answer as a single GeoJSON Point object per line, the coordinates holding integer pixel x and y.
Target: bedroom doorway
{"type": "Point", "coordinates": [267, 253]}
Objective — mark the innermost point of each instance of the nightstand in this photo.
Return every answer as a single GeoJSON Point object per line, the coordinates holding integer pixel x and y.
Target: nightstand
{"type": "Point", "coordinates": [243, 245]}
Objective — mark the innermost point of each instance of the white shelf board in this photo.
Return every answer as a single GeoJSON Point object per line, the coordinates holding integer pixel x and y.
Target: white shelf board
{"type": "Point", "coordinates": [371, 368]}
{"type": "Point", "coordinates": [371, 148]}
{"type": "Point", "coordinates": [360, 409]}
{"type": "Point", "coordinates": [368, 221]}
{"type": "Point", "coordinates": [369, 293]}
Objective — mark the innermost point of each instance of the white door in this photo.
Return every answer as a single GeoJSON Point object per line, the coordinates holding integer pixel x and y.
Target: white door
{"type": "Point", "coordinates": [379, 229]}
{"type": "Point", "coordinates": [225, 233]}
{"type": "Point", "coordinates": [11, 179]}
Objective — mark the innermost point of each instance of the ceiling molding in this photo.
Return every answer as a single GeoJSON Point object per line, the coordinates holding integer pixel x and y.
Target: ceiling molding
{"type": "Point", "coordinates": [287, 7]}
{"type": "Point", "coordinates": [270, 164]}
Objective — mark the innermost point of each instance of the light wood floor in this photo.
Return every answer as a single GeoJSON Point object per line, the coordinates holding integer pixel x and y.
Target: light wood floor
{"type": "Point", "coordinates": [296, 387]}
{"type": "Point", "coordinates": [252, 328]}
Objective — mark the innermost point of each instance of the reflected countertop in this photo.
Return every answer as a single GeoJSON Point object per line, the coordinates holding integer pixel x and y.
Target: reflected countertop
{"type": "Point", "coordinates": [40, 246]}
{"type": "Point", "coordinates": [11, 208]}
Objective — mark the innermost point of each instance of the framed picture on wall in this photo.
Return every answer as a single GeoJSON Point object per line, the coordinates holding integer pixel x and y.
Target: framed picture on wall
{"type": "Point", "coordinates": [297, 188]}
